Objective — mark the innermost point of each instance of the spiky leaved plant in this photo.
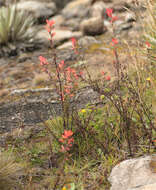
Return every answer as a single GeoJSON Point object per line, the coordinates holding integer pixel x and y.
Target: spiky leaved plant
{"type": "Point", "coordinates": [15, 26]}
{"type": "Point", "coordinates": [9, 172]}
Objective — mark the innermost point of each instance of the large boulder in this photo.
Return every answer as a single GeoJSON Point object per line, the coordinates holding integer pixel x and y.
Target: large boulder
{"type": "Point", "coordinates": [40, 10]}
{"type": "Point", "coordinates": [61, 35]}
{"type": "Point", "coordinates": [134, 174]}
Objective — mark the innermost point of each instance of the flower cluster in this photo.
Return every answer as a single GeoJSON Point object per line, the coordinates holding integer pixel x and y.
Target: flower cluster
{"type": "Point", "coordinates": [109, 12]}
{"type": "Point", "coordinates": [50, 27]}
{"type": "Point", "coordinates": [67, 141]}
{"type": "Point", "coordinates": [67, 76]}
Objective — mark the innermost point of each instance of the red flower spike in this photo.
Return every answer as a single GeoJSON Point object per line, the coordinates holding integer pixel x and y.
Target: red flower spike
{"type": "Point", "coordinates": [109, 12]}
{"type": "Point", "coordinates": [73, 42]}
{"type": "Point", "coordinates": [74, 45]}
{"type": "Point", "coordinates": [67, 134]}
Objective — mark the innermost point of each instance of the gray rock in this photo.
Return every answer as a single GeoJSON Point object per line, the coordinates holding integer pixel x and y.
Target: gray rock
{"type": "Point", "coordinates": [122, 26]}
{"type": "Point", "coordinates": [58, 19]}
{"type": "Point", "coordinates": [130, 17]}
{"type": "Point", "coordinates": [93, 26]}
{"type": "Point", "coordinates": [40, 106]}
{"type": "Point", "coordinates": [40, 10]}
{"type": "Point", "coordinates": [121, 6]}
{"type": "Point", "coordinates": [59, 37]}
{"type": "Point", "coordinates": [87, 41]}
{"type": "Point", "coordinates": [78, 8]}
{"type": "Point", "coordinates": [73, 24]}
{"type": "Point", "coordinates": [98, 9]}
{"type": "Point", "coordinates": [61, 3]}
{"type": "Point", "coordinates": [134, 174]}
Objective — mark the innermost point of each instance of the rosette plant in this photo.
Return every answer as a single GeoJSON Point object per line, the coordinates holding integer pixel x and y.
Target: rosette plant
{"type": "Point", "coordinates": [15, 26]}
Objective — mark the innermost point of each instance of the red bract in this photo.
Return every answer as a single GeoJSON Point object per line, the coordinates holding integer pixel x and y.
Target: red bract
{"type": "Point", "coordinates": [62, 140]}
{"type": "Point", "coordinates": [108, 78]}
{"type": "Point", "coordinates": [148, 44]}
{"type": "Point", "coordinates": [102, 72]}
{"type": "Point", "coordinates": [60, 65]}
{"type": "Point", "coordinates": [50, 23]}
{"type": "Point", "coordinates": [43, 60]}
{"type": "Point", "coordinates": [114, 41]}
{"type": "Point", "coordinates": [74, 44]}
{"type": "Point", "coordinates": [114, 18]}
{"type": "Point", "coordinates": [67, 134]}
{"type": "Point", "coordinates": [70, 141]}
{"type": "Point", "coordinates": [109, 12]}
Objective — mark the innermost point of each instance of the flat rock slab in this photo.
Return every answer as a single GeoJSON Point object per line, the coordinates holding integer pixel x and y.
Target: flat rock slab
{"type": "Point", "coordinates": [39, 105]}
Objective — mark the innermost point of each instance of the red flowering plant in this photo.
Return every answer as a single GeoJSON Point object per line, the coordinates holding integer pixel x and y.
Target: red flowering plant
{"type": "Point", "coordinates": [65, 80]}
{"type": "Point", "coordinates": [125, 95]}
